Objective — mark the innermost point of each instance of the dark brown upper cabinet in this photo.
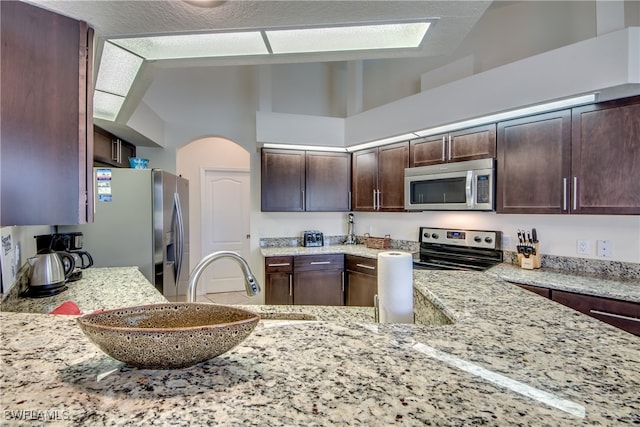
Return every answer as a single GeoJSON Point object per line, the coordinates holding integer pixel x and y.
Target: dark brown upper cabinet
{"type": "Point", "coordinates": [466, 144]}
{"type": "Point", "coordinates": [580, 161]}
{"type": "Point", "coordinates": [378, 178]}
{"type": "Point", "coordinates": [605, 158]}
{"type": "Point", "coordinates": [533, 164]}
{"type": "Point", "coordinates": [109, 150]}
{"type": "Point", "coordinates": [47, 117]}
{"type": "Point", "coordinates": [298, 181]}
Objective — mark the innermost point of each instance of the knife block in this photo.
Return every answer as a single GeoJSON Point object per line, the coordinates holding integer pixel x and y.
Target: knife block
{"type": "Point", "coordinates": [532, 261]}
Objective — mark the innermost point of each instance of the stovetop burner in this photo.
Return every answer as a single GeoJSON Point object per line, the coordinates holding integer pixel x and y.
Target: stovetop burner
{"type": "Point", "coordinates": [453, 249]}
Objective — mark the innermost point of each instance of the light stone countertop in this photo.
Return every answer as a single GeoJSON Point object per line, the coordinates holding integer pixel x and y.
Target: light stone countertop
{"type": "Point", "coordinates": [511, 357]}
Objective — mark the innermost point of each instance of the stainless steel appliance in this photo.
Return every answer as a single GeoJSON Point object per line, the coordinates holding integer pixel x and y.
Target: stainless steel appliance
{"type": "Point", "coordinates": [452, 249]}
{"type": "Point", "coordinates": [68, 245]}
{"type": "Point", "coordinates": [312, 238]}
{"type": "Point", "coordinates": [48, 273]}
{"type": "Point", "coordinates": [141, 219]}
{"type": "Point", "coordinates": [464, 186]}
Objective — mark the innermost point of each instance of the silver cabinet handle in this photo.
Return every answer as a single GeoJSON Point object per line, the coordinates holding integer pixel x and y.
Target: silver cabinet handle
{"type": "Point", "coordinates": [304, 202]}
{"type": "Point", "coordinates": [370, 267]}
{"type": "Point", "coordinates": [319, 262]}
{"type": "Point", "coordinates": [449, 147]}
{"type": "Point", "coordinates": [443, 147]}
{"type": "Point", "coordinates": [290, 285]}
{"type": "Point", "coordinates": [343, 282]}
{"type": "Point", "coordinates": [281, 264]}
{"type": "Point", "coordinates": [575, 193]}
{"type": "Point", "coordinates": [617, 316]}
{"type": "Point", "coordinates": [349, 200]}
{"type": "Point", "coordinates": [379, 204]}
{"type": "Point", "coordinates": [376, 309]}
{"type": "Point", "coordinates": [564, 194]}
{"type": "Point", "coordinates": [374, 199]}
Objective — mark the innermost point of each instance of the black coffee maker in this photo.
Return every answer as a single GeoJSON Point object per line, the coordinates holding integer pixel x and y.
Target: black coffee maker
{"type": "Point", "coordinates": [67, 243]}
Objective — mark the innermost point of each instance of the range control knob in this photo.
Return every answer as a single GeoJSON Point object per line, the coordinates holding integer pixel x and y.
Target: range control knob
{"type": "Point", "coordinates": [426, 235]}
{"type": "Point", "coordinates": [488, 239]}
{"type": "Point", "coordinates": [477, 239]}
{"type": "Point", "coordinates": [434, 235]}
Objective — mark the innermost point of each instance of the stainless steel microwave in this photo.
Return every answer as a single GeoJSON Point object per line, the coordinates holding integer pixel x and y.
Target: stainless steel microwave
{"type": "Point", "coordinates": [457, 186]}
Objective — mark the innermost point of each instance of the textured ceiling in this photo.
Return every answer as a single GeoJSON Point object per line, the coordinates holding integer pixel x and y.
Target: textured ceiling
{"type": "Point", "coordinates": [114, 19]}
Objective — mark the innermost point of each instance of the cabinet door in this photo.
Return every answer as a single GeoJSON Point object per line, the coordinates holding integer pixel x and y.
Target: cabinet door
{"type": "Point", "coordinates": [318, 287]}
{"type": "Point", "coordinates": [282, 180]}
{"type": "Point", "coordinates": [103, 147]}
{"type": "Point", "coordinates": [392, 161]}
{"type": "Point", "coordinates": [431, 150]}
{"type": "Point", "coordinates": [278, 289]}
{"type": "Point", "coordinates": [360, 289]}
{"type": "Point", "coordinates": [328, 181]}
{"type": "Point", "coordinates": [606, 158]}
{"type": "Point", "coordinates": [471, 144]}
{"type": "Point", "coordinates": [621, 314]}
{"type": "Point", "coordinates": [365, 179]}
{"type": "Point", "coordinates": [45, 113]}
{"type": "Point", "coordinates": [533, 164]}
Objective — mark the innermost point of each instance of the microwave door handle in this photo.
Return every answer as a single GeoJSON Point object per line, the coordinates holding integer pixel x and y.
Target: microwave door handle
{"type": "Point", "coordinates": [469, 189]}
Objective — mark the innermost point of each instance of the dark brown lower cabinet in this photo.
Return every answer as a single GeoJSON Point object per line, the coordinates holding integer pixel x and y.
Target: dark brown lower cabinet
{"type": "Point", "coordinates": [278, 280]}
{"type": "Point", "coordinates": [621, 314]}
{"type": "Point", "coordinates": [318, 279]}
{"type": "Point", "coordinates": [361, 281]}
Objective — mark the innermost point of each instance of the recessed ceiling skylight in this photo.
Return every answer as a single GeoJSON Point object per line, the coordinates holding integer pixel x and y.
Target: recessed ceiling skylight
{"type": "Point", "coordinates": [348, 38]}
{"type": "Point", "coordinates": [196, 45]}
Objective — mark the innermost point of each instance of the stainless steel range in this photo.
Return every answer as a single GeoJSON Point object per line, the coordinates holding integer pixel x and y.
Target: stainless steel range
{"type": "Point", "coordinates": [451, 249]}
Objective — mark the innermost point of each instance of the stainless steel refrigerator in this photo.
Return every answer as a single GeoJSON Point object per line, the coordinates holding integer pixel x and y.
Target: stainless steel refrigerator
{"type": "Point", "coordinates": [141, 219]}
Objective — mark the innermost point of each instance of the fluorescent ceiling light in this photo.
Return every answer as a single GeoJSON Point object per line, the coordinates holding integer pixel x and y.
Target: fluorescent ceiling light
{"type": "Point", "coordinates": [196, 45]}
{"type": "Point", "coordinates": [304, 147]}
{"type": "Point", "coordinates": [347, 38]}
{"type": "Point", "coordinates": [106, 106]}
{"type": "Point", "coordinates": [526, 111]}
{"type": "Point", "coordinates": [118, 70]}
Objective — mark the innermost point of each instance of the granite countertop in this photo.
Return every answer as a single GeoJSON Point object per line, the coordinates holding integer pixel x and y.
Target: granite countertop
{"type": "Point", "coordinates": [511, 357]}
{"type": "Point", "coordinates": [608, 287]}
{"type": "Point", "coordinates": [109, 287]}
{"type": "Point", "coordinates": [616, 288]}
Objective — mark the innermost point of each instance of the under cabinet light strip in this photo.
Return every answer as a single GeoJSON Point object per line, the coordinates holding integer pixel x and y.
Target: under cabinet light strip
{"type": "Point", "coordinates": [304, 147]}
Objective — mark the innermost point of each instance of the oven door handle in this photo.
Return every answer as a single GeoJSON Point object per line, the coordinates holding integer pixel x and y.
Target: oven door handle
{"type": "Point", "coordinates": [468, 188]}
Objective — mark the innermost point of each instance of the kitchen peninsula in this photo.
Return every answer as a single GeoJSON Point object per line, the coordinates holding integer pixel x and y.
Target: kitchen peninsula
{"type": "Point", "coordinates": [510, 357]}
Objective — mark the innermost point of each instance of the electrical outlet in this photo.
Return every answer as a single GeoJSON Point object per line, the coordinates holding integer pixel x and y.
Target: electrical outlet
{"type": "Point", "coordinates": [604, 248]}
{"type": "Point", "coordinates": [583, 247]}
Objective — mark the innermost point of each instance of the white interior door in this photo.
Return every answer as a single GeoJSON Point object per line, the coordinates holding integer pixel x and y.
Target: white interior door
{"type": "Point", "coordinates": [225, 227]}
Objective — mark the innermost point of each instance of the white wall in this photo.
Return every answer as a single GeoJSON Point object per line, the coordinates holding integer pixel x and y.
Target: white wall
{"type": "Point", "coordinates": [213, 153]}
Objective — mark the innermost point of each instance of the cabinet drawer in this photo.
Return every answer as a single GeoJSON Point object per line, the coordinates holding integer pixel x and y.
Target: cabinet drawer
{"type": "Point", "coordinates": [278, 264]}
{"type": "Point", "coordinates": [318, 262]}
{"type": "Point", "coordinates": [622, 314]}
{"type": "Point", "coordinates": [364, 265]}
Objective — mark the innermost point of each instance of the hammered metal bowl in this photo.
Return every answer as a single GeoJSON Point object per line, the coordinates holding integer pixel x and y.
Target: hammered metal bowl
{"type": "Point", "coordinates": [170, 335]}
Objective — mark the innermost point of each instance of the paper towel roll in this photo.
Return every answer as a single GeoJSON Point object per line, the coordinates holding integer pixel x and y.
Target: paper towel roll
{"type": "Point", "coordinates": [395, 287]}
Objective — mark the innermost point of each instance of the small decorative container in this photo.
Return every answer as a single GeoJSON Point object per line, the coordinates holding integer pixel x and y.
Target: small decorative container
{"type": "Point", "coordinates": [138, 163]}
{"type": "Point", "coordinates": [377, 242]}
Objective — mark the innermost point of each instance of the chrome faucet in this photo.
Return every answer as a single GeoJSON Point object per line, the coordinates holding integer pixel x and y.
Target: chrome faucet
{"type": "Point", "coordinates": [250, 283]}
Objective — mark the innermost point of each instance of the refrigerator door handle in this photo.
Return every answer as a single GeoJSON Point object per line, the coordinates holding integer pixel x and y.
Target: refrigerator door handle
{"type": "Point", "coordinates": [179, 236]}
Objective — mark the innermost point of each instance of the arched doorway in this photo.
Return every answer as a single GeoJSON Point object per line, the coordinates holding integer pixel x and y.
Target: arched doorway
{"type": "Point", "coordinates": [218, 171]}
